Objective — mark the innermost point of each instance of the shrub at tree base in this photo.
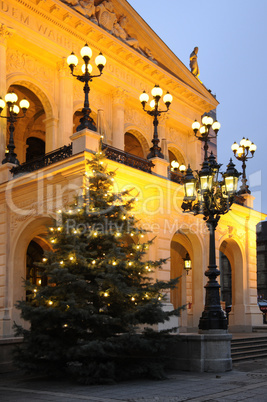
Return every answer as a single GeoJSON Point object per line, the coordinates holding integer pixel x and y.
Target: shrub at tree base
{"type": "Point", "coordinates": [91, 313]}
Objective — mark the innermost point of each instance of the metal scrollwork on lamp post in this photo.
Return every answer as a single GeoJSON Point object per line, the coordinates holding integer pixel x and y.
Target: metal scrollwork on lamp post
{"type": "Point", "coordinates": [212, 197]}
{"type": "Point", "coordinates": [244, 151]}
{"type": "Point", "coordinates": [86, 120]}
{"type": "Point", "coordinates": [205, 133]}
{"type": "Point", "coordinates": [12, 116]}
{"type": "Point", "coordinates": [155, 150]}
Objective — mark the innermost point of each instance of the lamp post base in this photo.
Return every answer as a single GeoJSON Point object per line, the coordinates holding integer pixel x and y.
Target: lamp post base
{"type": "Point", "coordinates": [213, 320]}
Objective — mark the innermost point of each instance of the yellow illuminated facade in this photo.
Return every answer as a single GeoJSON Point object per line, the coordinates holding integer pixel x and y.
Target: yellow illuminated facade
{"type": "Point", "coordinates": [36, 37]}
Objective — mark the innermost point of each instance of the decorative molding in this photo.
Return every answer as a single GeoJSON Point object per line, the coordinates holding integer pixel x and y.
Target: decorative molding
{"type": "Point", "coordinates": [18, 61]}
{"type": "Point", "coordinates": [106, 17]}
{"type": "Point", "coordinates": [5, 33]}
{"type": "Point", "coordinates": [119, 96]}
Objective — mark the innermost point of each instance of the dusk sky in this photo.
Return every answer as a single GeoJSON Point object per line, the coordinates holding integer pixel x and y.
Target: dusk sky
{"type": "Point", "coordinates": [231, 36]}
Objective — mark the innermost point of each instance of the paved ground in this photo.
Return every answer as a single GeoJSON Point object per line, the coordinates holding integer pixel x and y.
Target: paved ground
{"type": "Point", "coordinates": [246, 382]}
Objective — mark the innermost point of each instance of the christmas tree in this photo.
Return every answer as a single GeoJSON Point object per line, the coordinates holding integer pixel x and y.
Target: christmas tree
{"type": "Point", "coordinates": [93, 316]}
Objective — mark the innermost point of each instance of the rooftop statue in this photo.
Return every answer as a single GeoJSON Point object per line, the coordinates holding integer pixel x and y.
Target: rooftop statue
{"type": "Point", "coordinates": [193, 62]}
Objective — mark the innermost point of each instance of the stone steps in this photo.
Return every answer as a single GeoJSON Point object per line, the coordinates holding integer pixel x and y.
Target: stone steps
{"type": "Point", "coordinates": [249, 348]}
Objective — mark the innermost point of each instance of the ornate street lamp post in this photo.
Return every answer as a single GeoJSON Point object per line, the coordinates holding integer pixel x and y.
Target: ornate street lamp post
{"type": "Point", "coordinates": [205, 132]}
{"type": "Point", "coordinates": [12, 116]}
{"type": "Point", "coordinates": [244, 151]}
{"type": "Point", "coordinates": [155, 150]}
{"type": "Point", "coordinates": [212, 197]}
{"type": "Point", "coordinates": [86, 121]}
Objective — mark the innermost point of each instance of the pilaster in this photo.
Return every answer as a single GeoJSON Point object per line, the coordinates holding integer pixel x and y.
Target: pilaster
{"type": "Point", "coordinates": [5, 33]}
{"type": "Point", "coordinates": [118, 118]}
{"type": "Point", "coordinates": [65, 123]}
{"type": "Point", "coordinates": [51, 134]}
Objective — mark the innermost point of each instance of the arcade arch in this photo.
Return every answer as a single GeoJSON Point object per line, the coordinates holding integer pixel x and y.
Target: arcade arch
{"type": "Point", "coordinates": [233, 277]}
{"type": "Point", "coordinates": [189, 291]}
{"type": "Point", "coordinates": [135, 143]}
{"type": "Point", "coordinates": [31, 243]}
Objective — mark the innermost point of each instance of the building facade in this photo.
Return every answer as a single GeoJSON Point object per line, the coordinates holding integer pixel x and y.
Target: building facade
{"type": "Point", "coordinates": [36, 37]}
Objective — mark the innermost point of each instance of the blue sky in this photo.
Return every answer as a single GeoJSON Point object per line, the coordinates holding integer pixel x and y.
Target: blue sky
{"type": "Point", "coordinates": [231, 36]}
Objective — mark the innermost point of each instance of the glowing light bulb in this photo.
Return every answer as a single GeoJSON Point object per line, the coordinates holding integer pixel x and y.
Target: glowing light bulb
{"type": "Point", "coordinates": [71, 258]}
{"type": "Point", "coordinates": [50, 302]}
{"type": "Point", "coordinates": [61, 262]}
{"type": "Point", "coordinates": [133, 298]}
{"type": "Point", "coordinates": [106, 294]}
{"type": "Point", "coordinates": [114, 263]}
{"type": "Point", "coordinates": [93, 262]}
{"type": "Point", "coordinates": [44, 259]}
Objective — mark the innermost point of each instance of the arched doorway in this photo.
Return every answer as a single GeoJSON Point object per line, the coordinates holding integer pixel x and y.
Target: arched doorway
{"type": "Point", "coordinates": [189, 291]}
{"type": "Point", "coordinates": [35, 148]}
{"type": "Point", "coordinates": [226, 283]}
{"type": "Point", "coordinates": [35, 254]}
{"type": "Point", "coordinates": [29, 127]}
{"type": "Point", "coordinates": [132, 145]}
{"type": "Point", "coordinates": [233, 282]}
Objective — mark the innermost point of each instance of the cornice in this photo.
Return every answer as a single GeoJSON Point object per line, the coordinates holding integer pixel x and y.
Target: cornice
{"type": "Point", "coordinates": [79, 28]}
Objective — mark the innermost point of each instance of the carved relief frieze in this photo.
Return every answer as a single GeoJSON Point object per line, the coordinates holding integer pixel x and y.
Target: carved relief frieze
{"type": "Point", "coordinates": [104, 15]}
{"type": "Point", "coordinates": [175, 136]}
{"type": "Point", "coordinates": [119, 96]}
{"type": "Point", "coordinates": [137, 119]}
{"type": "Point", "coordinates": [18, 61]}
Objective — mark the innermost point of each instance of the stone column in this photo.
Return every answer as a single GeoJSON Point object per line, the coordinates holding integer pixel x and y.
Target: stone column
{"type": "Point", "coordinates": [51, 134]}
{"type": "Point", "coordinates": [65, 124]}
{"type": "Point", "coordinates": [5, 33]}
{"type": "Point", "coordinates": [118, 118]}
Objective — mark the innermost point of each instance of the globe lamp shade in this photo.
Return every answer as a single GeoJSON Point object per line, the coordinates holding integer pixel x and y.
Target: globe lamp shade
{"type": "Point", "coordinates": [157, 91]}
{"type": "Point", "coordinates": [86, 52]}
{"type": "Point", "coordinates": [89, 67]}
{"type": "Point", "coordinates": [100, 61]}
{"type": "Point", "coordinates": [2, 104]}
{"type": "Point", "coordinates": [167, 99]}
{"type": "Point", "coordinates": [196, 126]}
{"type": "Point", "coordinates": [24, 104]}
{"type": "Point", "coordinates": [11, 97]}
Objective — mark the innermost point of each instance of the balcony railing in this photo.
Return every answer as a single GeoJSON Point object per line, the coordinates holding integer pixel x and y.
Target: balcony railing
{"type": "Point", "coordinates": [43, 161]}
{"type": "Point", "coordinates": [66, 151]}
{"type": "Point", "coordinates": [127, 159]}
{"type": "Point", "coordinates": [176, 177]}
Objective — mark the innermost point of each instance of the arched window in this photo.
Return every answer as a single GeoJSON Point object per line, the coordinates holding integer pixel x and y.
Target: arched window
{"type": "Point", "coordinates": [33, 273]}
{"type": "Point", "coordinates": [29, 131]}
{"type": "Point", "coordinates": [132, 145]}
{"type": "Point", "coordinates": [36, 148]}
